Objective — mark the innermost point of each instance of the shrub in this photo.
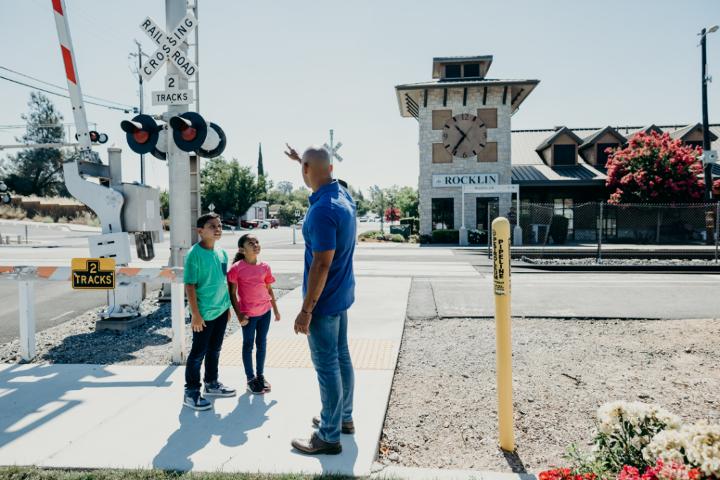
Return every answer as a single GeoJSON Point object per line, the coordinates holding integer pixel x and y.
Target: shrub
{"type": "Point", "coordinates": [368, 235]}
{"type": "Point", "coordinates": [476, 237]}
{"type": "Point", "coordinates": [445, 236]}
{"type": "Point", "coordinates": [397, 238]}
{"type": "Point", "coordinates": [414, 239]}
{"type": "Point", "coordinates": [425, 239]}
{"type": "Point", "coordinates": [559, 229]}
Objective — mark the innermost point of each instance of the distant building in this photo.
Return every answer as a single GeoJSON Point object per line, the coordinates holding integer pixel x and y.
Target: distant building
{"type": "Point", "coordinates": [257, 211]}
{"type": "Point", "coordinates": [473, 166]}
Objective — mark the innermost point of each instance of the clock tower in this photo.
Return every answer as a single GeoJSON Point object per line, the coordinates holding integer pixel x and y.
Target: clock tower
{"type": "Point", "coordinates": [464, 120]}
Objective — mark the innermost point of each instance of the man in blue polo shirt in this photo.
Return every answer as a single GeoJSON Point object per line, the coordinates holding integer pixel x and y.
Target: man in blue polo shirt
{"type": "Point", "coordinates": [328, 291]}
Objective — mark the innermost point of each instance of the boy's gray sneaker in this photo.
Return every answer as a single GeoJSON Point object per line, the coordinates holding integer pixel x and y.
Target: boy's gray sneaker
{"type": "Point", "coordinates": [194, 400]}
{"type": "Point", "coordinates": [217, 389]}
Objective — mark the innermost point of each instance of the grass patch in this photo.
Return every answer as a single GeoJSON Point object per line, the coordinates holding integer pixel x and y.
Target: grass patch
{"type": "Point", "coordinates": [34, 473]}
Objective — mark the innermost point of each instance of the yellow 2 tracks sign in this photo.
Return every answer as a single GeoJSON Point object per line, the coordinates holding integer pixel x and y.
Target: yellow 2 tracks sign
{"type": "Point", "coordinates": [93, 273]}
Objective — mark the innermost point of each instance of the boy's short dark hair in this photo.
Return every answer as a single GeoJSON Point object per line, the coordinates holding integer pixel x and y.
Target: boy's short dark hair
{"type": "Point", "coordinates": [203, 219]}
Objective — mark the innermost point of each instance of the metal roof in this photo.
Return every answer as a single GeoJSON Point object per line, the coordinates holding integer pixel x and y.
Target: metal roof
{"type": "Point", "coordinates": [529, 169]}
{"type": "Point", "coordinates": [681, 133]}
{"type": "Point", "coordinates": [591, 139]}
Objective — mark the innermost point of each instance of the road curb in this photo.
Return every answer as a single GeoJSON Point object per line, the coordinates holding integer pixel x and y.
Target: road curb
{"type": "Point", "coordinates": [622, 268]}
{"type": "Point", "coordinates": [398, 472]}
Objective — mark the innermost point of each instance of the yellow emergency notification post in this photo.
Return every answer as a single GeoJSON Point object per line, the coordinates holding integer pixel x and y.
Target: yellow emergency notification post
{"type": "Point", "coordinates": [93, 273]}
{"type": "Point", "coordinates": [503, 345]}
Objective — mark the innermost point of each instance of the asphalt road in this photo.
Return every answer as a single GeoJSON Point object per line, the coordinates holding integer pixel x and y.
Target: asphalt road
{"type": "Point", "coordinates": [458, 282]}
{"type": "Point", "coordinates": [56, 302]}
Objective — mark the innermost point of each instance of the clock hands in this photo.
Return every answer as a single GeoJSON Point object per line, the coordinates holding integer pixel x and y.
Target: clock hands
{"type": "Point", "coordinates": [454, 150]}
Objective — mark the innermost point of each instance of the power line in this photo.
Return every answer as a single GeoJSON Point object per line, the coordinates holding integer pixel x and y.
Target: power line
{"type": "Point", "coordinates": [60, 87]}
{"type": "Point", "coordinates": [125, 110]}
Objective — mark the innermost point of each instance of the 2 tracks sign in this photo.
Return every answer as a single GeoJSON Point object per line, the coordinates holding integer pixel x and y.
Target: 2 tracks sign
{"type": "Point", "coordinates": [93, 273]}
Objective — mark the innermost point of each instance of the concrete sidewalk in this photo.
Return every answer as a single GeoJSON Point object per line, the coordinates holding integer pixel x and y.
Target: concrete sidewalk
{"type": "Point", "coordinates": [96, 416]}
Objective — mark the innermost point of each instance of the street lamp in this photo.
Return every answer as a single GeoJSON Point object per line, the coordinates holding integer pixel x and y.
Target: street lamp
{"type": "Point", "coordinates": [706, 128]}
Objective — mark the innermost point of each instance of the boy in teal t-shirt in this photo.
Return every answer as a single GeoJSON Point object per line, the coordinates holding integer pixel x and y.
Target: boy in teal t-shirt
{"type": "Point", "coordinates": [209, 301]}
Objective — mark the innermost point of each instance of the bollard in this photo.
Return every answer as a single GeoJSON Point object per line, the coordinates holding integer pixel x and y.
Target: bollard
{"type": "Point", "coordinates": [503, 344]}
{"type": "Point", "coordinates": [177, 309]}
{"type": "Point", "coordinates": [26, 307]}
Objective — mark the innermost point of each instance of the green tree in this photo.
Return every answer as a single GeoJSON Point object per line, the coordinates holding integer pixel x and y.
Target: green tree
{"type": "Point", "coordinates": [285, 187]}
{"type": "Point", "coordinates": [289, 213]}
{"type": "Point", "coordinates": [408, 201]}
{"type": "Point", "coordinates": [165, 203]}
{"type": "Point", "coordinates": [231, 187]}
{"type": "Point", "coordinates": [38, 171]}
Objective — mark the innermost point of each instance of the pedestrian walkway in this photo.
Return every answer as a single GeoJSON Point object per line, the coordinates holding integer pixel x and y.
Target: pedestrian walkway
{"type": "Point", "coordinates": [95, 416]}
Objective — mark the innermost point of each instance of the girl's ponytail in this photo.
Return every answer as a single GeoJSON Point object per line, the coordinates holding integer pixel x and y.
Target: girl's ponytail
{"type": "Point", "coordinates": [241, 244]}
{"type": "Point", "coordinates": [238, 256]}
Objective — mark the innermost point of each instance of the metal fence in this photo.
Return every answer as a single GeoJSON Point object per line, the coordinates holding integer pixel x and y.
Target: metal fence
{"type": "Point", "coordinates": [601, 224]}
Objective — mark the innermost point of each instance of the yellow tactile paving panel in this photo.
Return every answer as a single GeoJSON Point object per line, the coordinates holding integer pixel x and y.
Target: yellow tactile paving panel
{"type": "Point", "coordinates": [366, 354]}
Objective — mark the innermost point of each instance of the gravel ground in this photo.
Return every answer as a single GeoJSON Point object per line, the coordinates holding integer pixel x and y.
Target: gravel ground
{"type": "Point", "coordinates": [442, 410]}
{"type": "Point", "coordinates": [620, 261]}
{"type": "Point", "coordinates": [76, 340]}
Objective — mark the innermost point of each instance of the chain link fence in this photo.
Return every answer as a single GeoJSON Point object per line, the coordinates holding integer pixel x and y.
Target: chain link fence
{"type": "Point", "coordinates": [600, 224]}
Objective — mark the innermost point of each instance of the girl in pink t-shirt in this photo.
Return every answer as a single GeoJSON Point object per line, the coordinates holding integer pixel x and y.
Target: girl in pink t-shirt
{"type": "Point", "coordinates": [251, 294]}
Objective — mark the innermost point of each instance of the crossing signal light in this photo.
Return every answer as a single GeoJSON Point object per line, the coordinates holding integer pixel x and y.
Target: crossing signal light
{"type": "Point", "coordinates": [96, 137]}
{"type": "Point", "coordinates": [189, 131]}
{"type": "Point", "coordinates": [160, 150]}
{"type": "Point", "coordinates": [142, 133]}
{"type": "Point", "coordinates": [192, 133]}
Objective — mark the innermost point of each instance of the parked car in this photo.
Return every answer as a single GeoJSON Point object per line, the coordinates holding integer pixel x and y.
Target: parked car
{"type": "Point", "coordinates": [249, 223]}
{"type": "Point", "coordinates": [363, 219]}
{"type": "Point", "coordinates": [271, 223]}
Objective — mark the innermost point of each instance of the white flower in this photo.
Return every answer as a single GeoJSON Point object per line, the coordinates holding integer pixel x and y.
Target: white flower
{"type": "Point", "coordinates": [667, 445]}
{"type": "Point", "coordinates": [702, 447]}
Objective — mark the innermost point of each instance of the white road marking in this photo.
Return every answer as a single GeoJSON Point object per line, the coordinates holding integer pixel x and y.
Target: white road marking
{"type": "Point", "coordinates": [62, 315]}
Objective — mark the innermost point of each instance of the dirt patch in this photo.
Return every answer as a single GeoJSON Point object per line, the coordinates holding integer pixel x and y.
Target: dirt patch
{"type": "Point", "coordinates": [442, 411]}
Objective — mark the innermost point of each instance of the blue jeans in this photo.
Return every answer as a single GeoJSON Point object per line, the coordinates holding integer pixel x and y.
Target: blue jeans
{"type": "Point", "coordinates": [331, 357]}
{"type": "Point", "coordinates": [255, 332]}
{"type": "Point", "coordinates": [205, 345]}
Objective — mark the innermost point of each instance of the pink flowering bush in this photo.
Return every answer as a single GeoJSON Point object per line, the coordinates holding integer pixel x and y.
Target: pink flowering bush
{"type": "Point", "coordinates": [654, 168]}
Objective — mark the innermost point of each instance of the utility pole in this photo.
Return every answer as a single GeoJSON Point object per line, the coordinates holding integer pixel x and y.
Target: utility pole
{"type": "Point", "coordinates": [142, 97]}
{"type": "Point", "coordinates": [178, 161]}
{"type": "Point", "coordinates": [705, 121]}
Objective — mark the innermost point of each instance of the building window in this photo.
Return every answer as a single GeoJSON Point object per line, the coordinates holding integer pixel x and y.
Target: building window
{"type": "Point", "coordinates": [452, 71]}
{"type": "Point", "coordinates": [564, 155]}
{"type": "Point", "coordinates": [602, 157]}
{"type": "Point", "coordinates": [564, 207]}
{"type": "Point", "coordinates": [472, 70]}
{"type": "Point", "coordinates": [443, 214]}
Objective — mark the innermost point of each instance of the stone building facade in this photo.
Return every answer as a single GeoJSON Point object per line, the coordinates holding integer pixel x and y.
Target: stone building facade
{"type": "Point", "coordinates": [459, 86]}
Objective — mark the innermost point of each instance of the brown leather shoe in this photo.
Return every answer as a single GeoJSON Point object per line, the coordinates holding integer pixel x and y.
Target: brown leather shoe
{"type": "Point", "coordinates": [348, 428]}
{"type": "Point", "coordinates": [316, 446]}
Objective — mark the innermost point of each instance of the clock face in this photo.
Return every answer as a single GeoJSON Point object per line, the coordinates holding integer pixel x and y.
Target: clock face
{"type": "Point", "coordinates": [464, 135]}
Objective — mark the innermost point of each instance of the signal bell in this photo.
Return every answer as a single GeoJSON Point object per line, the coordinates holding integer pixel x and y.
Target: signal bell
{"type": "Point", "coordinates": [142, 133]}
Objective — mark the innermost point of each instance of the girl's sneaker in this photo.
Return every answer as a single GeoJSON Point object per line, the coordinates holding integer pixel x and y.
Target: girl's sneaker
{"type": "Point", "coordinates": [266, 384]}
{"type": "Point", "coordinates": [256, 387]}
{"type": "Point", "coordinates": [217, 389]}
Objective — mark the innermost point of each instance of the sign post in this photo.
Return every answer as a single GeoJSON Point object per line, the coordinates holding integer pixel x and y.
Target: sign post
{"type": "Point", "coordinates": [333, 148]}
{"type": "Point", "coordinates": [503, 345]}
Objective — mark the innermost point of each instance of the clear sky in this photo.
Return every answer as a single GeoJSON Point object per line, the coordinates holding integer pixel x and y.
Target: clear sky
{"type": "Point", "coordinates": [277, 71]}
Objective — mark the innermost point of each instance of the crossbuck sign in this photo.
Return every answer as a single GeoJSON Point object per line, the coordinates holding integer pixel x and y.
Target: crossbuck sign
{"type": "Point", "coordinates": [169, 47]}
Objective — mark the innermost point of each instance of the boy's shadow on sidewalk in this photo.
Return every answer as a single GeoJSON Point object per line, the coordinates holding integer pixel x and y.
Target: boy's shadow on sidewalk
{"type": "Point", "coordinates": [197, 429]}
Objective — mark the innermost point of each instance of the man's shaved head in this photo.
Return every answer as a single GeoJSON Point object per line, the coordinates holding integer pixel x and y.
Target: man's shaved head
{"type": "Point", "coordinates": [316, 154]}
{"type": "Point", "coordinates": [316, 167]}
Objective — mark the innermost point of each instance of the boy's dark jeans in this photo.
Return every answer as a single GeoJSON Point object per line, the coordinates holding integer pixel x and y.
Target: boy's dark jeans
{"type": "Point", "coordinates": [206, 345]}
